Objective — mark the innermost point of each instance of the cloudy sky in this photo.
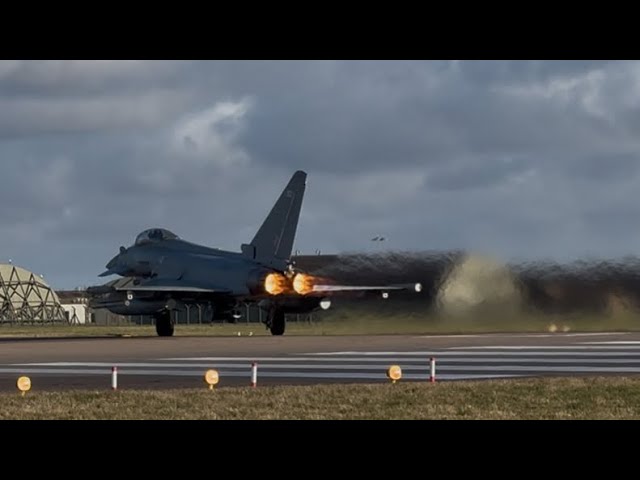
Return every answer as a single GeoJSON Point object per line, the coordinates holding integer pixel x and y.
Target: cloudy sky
{"type": "Point", "coordinates": [520, 160]}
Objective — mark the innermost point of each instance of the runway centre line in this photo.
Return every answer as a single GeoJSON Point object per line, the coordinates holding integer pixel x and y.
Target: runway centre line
{"type": "Point", "coordinates": [371, 363]}
{"type": "Point", "coordinates": [452, 364]}
{"type": "Point", "coordinates": [236, 374]}
{"type": "Point", "coordinates": [478, 353]}
{"type": "Point", "coordinates": [583, 346]}
{"type": "Point", "coordinates": [469, 370]}
{"type": "Point", "coordinates": [527, 335]}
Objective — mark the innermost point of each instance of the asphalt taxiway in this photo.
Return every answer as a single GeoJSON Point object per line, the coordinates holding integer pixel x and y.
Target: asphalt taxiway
{"type": "Point", "coordinates": [154, 362]}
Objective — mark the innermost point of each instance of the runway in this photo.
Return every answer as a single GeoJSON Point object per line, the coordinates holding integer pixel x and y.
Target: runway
{"type": "Point", "coordinates": [180, 362]}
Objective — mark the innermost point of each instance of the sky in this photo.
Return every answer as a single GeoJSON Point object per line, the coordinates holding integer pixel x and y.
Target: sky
{"type": "Point", "coordinates": [521, 160]}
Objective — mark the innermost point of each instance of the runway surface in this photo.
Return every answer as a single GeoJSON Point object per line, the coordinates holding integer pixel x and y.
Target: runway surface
{"type": "Point", "coordinates": [59, 364]}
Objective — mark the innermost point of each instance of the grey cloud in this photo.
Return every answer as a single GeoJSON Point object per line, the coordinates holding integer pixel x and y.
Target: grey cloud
{"type": "Point", "coordinates": [524, 71]}
{"type": "Point", "coordinates": [31, 116]}
{"type": "Point", "coordinates": [481, 172]}
{"type": "Point", "coordinates": [519, 159]}
{"type": "Point", "coordinates": [612, 168]}
{"type": "Point", "coordinates": [79, 78]}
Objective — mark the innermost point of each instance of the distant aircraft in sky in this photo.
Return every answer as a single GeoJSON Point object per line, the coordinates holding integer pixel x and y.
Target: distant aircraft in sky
{"type": "Point", "coordinates": [162, 273]}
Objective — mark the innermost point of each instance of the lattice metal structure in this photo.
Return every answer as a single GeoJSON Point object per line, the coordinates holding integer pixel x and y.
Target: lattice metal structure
{"type": "Point", "coordinates": [25, 298]}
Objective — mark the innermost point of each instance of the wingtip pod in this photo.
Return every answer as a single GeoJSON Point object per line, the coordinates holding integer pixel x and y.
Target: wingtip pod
{"type": "Point", "coordinates": [100, 289]}
{"type": "Point", "coordinates": [416, 287]}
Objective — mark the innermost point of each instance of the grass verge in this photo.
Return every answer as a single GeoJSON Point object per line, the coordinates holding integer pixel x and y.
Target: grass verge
{"type": "Point", "coordinates": [541, 398]}
{"type": "Point", "coordinates": [356, 325]}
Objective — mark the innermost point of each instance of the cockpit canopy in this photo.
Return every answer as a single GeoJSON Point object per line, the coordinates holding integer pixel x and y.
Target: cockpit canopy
{"type": "Point", "coordinates": [154, 235]}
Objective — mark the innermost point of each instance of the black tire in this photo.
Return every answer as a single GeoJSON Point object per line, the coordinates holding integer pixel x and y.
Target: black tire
{"type": "Point", "coordinates": [164, 324]}
{"type": "Point", "coordinates": [278, 323]}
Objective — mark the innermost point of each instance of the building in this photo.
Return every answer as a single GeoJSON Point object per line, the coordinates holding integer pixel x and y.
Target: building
{"type": "Point", "coordinates": [25, 298]}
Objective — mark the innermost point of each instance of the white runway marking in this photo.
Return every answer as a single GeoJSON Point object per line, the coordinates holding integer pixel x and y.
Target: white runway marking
{"type": "Point", "coordinates": [527, 335]}
{"type": "Point", "coordinates": [315, 375]}
{"type": "Point", "coordinates": [442, 353]}
{"type": "Point", "coordinates": [545, 369]}
{"type": "Point", "coordinates": [451, 364]}
{"type": "Point", "coordinates": [546, 347]}
{"type": "Point", "coordinates": [240, 366]}
{"type": "Point", "coordinates": [365, 363]}
{"type": "Point", "coordinates": [272, 359]}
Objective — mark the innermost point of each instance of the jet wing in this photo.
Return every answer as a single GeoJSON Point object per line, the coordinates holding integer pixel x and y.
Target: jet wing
{"type": "Point", "coordinates": [166, 286]}
{"type": "Point", "coordinates": [347, 288]}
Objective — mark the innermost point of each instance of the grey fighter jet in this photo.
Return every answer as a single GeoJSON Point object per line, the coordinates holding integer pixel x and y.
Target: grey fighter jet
{"type": "Point", "coordinates": [161, 272]}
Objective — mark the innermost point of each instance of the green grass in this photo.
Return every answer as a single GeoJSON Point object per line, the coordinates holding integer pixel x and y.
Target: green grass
{"type": "Point", "coordinates": [476, 324]}
{"type": "Point", "coordinates": [548, 398]}
{"type": "Point", "coordinates": [353, 324]}
{"type": "Point", "coordinates": [125, 330]}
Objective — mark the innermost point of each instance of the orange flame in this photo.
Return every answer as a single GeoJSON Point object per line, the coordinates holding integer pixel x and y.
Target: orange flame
{"type": "Point", "coordinates": [303, 283]}
{"type": "Point", "coordinates": [275, 284]}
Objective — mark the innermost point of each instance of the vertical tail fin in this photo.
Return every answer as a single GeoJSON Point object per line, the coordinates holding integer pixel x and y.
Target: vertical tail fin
{"type": "Point", "coordinates": [274, 240]}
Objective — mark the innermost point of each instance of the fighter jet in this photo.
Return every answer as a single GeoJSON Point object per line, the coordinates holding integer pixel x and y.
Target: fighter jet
{"type": "Point", "coordinates": [162, 272]}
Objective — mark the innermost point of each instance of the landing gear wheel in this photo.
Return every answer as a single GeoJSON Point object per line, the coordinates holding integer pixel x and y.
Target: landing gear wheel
{"type": "Point", "coordinates": [276, 322]}
{"type": "Point", "coordinates": [164, 324]}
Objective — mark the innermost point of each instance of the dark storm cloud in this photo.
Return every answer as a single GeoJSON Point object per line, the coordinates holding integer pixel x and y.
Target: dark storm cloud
{"type": "Point", "coordinates": [503, 71]}
{"type": "Point", "coordinates": [80, 78]}
{"type": "Point", "coordinates": [519, 159]}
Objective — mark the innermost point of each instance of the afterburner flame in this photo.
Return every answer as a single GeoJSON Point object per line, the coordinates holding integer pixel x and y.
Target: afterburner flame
{"type": "Point", "coordinates": [275, 284]}
{"type": "Point", "coordinates": [303, 283]}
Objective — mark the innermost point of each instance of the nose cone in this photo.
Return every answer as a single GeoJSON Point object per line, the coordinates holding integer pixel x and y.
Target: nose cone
{"type": "Point", "coordinates": [114, 267]}
{"type": "Point", "coordinates": [113, 262]}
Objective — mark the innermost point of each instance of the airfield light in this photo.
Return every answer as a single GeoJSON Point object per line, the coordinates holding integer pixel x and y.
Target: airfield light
{"type": "Point", "coordinates": [325, 303]}
{"type": "Point", "coordinates": [303, 284]}
{"type": "Point", "coordinates": [211, 378]}
{"type": "Point", "coordinates": [274, 284]}
{"type": "Point", "coordinates": [394, 373]}
{"type": "Point", "coordinates": [24, 385]}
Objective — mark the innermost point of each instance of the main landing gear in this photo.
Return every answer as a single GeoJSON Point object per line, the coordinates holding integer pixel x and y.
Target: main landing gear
{"type": "Point", "coordinates": [275, 321]}
{"type": "Point", "coordinates": [164, 323]}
